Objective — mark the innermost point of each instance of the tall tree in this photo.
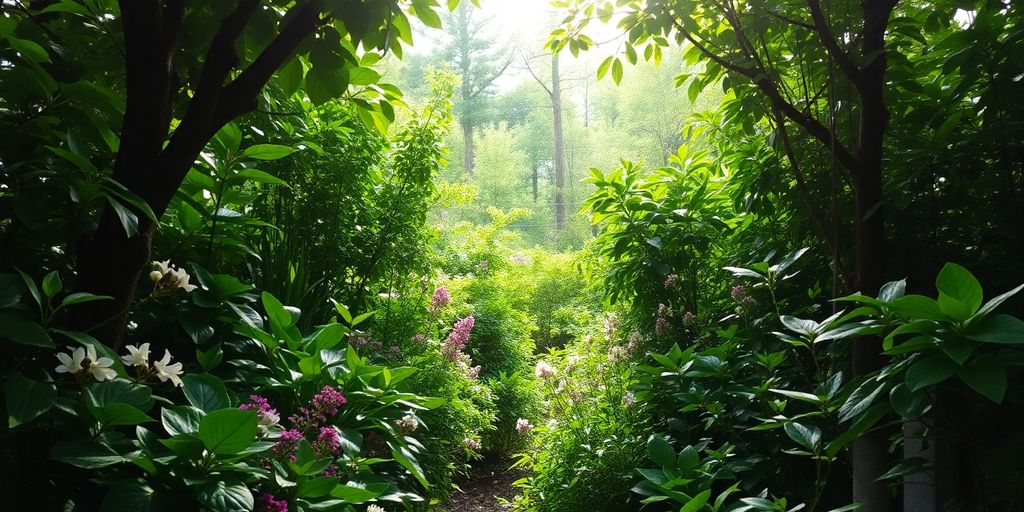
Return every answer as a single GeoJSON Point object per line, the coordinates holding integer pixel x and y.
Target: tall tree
{"type": "Point", "coordinates": [189, 69]}
{"type": "Point", "coordinates": [749, 48]}
{"type": "Point", "coordinates": [554, 91]}
{"type": "Point", "coordinates": [479, 62]}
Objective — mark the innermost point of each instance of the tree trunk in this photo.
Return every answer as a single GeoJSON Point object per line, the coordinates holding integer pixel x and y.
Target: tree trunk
{"type": "Point", "coordinates": [870, 452]}
{"type": "Point", "coordinates": [467, 138]}
{"type": "Point", "coordinates": [110, 262]}
{"type": "Point", "coordinates": [556, 106]}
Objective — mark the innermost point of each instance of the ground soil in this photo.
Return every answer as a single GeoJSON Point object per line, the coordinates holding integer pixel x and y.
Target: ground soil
{"type": "Point", "coordinates": [489, 480]}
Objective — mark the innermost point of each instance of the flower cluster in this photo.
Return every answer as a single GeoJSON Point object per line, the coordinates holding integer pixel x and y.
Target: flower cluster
{"type": "Point", "coordinates": [473, 372]}
{"type": "Point", "coordinates": [629, 399]}
{"type": "Point", "coordinates": [439, 300]}
{"type": "Point", "coordinates": [407, 424]}
{"type": "Point", "coordinates": [374, 508]}
{"type": "Point", "coordinates": [544, 370]}
{"type": "Point", "coordinates": [269, 503]}
{"type": "Point", "coordinates": [168, 279]}
{"type": "Point", "coordinates": [471, 444]}
{"type": "Point", "coordinates": [611, 324]}
{"type": "Point", "coordinates": [523, 425]}
{"type": "Point", "coordinates": [661, 323]}
{"type": "Point", "coordinates": [364, 339]}
{"type": "Point", "coordinates": [323, 405]}
{"type": "Point", "coordinates": [327, 442]}
{"type": "Point", "coordinates": [671, 280]}
{"type": "Point", "coordinates": [457, 339]}
{"type": "Point", "coordinates": [484, 265]}
{"type": "Point", "coordinates": [520, 258]}
{"type": "Point", "coordinates": [267, 415]}
{"type": "Point", "coordinates": [744, 301]}
{"type": "Point", "coordinates": [418, 338]}
{"type": "Point", "coordinates": [287, 443]}
{"type": "Point", "coordinates": [84, 362]}
{"type": "Point", "coordinates": [689, 319]}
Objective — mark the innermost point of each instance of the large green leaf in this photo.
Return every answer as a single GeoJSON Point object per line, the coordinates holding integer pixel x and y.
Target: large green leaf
{"type": "Point", "coordinates": [267, 151]}
{"type": "Point", "coordinates": [181, 419]}
{"type": "Point", "coordinates": [221, 496]}
{"type": "Point", "coordinates": [85, 454]}
{"type": "Point", "coordinates": [205, 392]}
{"type": "Point", "coordinates": [134, 495]}
{"type": "Point", "coordinates": [930, 370]}
{"type": "Point", "coordinates": [27, 399]}
{"type": "Point", "coordinates": [960, 293]}
{"type": "Point", "coordinates": [986, 375]}
{"type": "Point", "coordinates": [661, 451]}
{"type": "Point", "coordinates": [1004, 329]}
{"type": "Point", "coordinates": [19, 329]}
{"type": "Point", "coordinates": [808, 436]}
{"type": "Point", "coordinates": [228, 431]}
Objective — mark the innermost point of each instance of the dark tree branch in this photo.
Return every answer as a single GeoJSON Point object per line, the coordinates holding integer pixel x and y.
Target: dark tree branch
{"type": "Point", "coordinates": [769, 88]}
{"type": "Point", "coordinates": [240, 95]}
{"type": "Point", "coordinates": [806, 196]}
{"type": "Point", "coordinates": [828, 39]}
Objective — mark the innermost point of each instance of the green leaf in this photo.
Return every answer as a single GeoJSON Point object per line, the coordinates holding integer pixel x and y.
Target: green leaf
{"type": "Point", "coordinates": [697, 502]}
{"type": "Point", "coordinates": [289, 76]}
{"type": "Point", "coordinates": [928, 371]}
{"type": "Point", "coordinates": [917, 306]}
{"type": "Point", "coordinates": [986, 375]}
{"type": "Point", "coordinates": [403, 456]}
{"type": "Point", "coordinates": [1004, 329]}
{"type": "Point", "coordinates": [807, 436]}
{"type": "Point", "coordinates": [134, 495]}
{"type": "Point", "coordinates": [661, 451]}
{"type": "Point", "coordinates": [617, 71]}
{"type": "Point", "coordinates": [799, 395]}
{"type": "Point", "coordinates": [276, 311]}
{"type": "Point", "coordinates": [267, 151]}
{"type": "Point", "coordinates": [85, 454]}
{"type": "Point", "coordinates": [860, 399]}
{"type": "Point", "coordinates": [905, 402]}
{"type": "Point", "coordinates": [120, 414]}
{"type": "Point", "coordinates": [353, 494]}
{"type": "Point", "coordinates": [123, 391]}
{"type": "Point", "coordinates": [27, 399]}
{"type": "Point", "coordinates": [228, 431]}
{"type": "Point", "coordinates": [51, 284]}
{"type": "Point", "coordinates": [205, 392]}
{"type": "Point", "coordinates": [21, 330]}
{"type": "Point", "coordinates": [223, 496]}
{"type": "Point", "coordinates": [82, 297]}
{"type": "Point", "coordinates": [181, 419]}
{"type": "Point", "coordinates": [129, 221]}
{"type": "Point", "coordinates": [991, 305]}
{"type": "Point", "coordinates": [258, 176]}
{"type": "Point", "coordinates": [960, 293]}
{"type": "Point", "coordinates": [362, 76]}
{"type": "Point", "coordinates": [688, 460]}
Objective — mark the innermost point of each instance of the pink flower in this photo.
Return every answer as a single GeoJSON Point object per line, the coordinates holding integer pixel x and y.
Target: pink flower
{"type": "Point", "coordinates": [287, 443]}
{"type": "Point", "coordinates": [327, 442]}
{"type": "Point", "coordinates": [457, 339]}
{"type": "Point", "coordinates": [268, 503]}
{"type": "Point", "coordinates": [671, 280]}
{"type": "Point", "coordinates": [473, 372]}
{"type": "Point", "coordinates": [544, 370]}
{"type": "Point", "coordinates": [395, 351]}
{"type": "Point", "coordinates": [267, 415]}
{"type": "Point", "coordinates": [328, 400]}
{"type": "Point", "coordinates": [689, 319]}
{"type": "Point", "coordinates": [439, 300]}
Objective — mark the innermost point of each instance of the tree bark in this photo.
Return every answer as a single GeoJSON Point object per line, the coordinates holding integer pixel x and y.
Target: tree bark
{"type": "Point", "coordinates": [110, 262]}
{"type": "Point", "coordinates": [559, 164]}
{"type": "Point", "coordinates": [468, 156]}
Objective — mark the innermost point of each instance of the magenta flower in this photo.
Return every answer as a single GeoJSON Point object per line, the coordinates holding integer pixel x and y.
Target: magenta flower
{"type": "Point", "coordinates": [287, 443]}
{"type": "Point", "coordinates": [268, 503]}
{"type": "Point", "coordinates": [267, 415]}
{"type": "Point", "coordinates": [461, 331]}
{"type": "Point", "coordinates": [327, 442]}
{"type": "Point", "coordinates": [440, 299]}
{"type": "Point", "coordinates": [328, 400]}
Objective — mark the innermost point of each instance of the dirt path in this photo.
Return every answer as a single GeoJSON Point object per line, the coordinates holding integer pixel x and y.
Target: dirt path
{"type": "Point", "coordinates": [490, 480]}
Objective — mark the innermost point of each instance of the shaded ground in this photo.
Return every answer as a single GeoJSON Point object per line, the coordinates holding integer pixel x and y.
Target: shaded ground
{"type": "Point", "coordinates": [490, 480]}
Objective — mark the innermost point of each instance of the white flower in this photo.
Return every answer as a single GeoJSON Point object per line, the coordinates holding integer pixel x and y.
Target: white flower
{"type": "Point", "coordinates": [137, 356]}
{"type": "Point", "coordinates": [166, 371]}
{"type": "Point", "coordinates": [629, 399]}
{"type": "Point", "coordinates": [408, 423]}
{"type": "Point", "coordinates": [544, 370]}
{"type": "Point", "coordinates": [156, 276]}
{"type": "Point", "coordinates": [163, 267]}
{"type": "Point", "coordinates": [522, 425]}
{"type": "Point", "coordinates": [99, 367]}
{"type": "Point", "coordinates": [374, 508]}
{"type": "Point", "coordinates": [471, 444]}
{"type": "Point", "coordinates": [71, 363]}
{"type": "Point", "coordinates": [179, 279]}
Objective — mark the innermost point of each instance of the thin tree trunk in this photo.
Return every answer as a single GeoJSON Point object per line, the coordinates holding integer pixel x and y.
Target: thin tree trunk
{"type": "Point", "coordinates": [467, 137]}
{"type": "Point", "coordinates": [556, 105]}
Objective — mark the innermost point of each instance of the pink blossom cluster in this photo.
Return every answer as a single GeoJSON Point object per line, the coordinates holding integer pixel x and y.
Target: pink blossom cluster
{"type": "Point", "coordinates": [327, 442]}
{"type": "Point", "coordinates": [323, 405]}
{"type": "Point", "coordinates": [268, 503]}
{"type": "Point", "coordinates": [439, 300]}
{"type": "Point", "coordinates": [671, 280]}
{"type": "Point", "coordinates": [287, 443]}
{"type": "Point", "coordinates": [689, 320]}
{"type": "Point", "coordinates": [661, 324]}
{"type": "Point", "coordinates": [452, 348]}
{"type": "Point", "coordinates": [418, 338]}
{"type": "Point", "coordinates": [267, 415]}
